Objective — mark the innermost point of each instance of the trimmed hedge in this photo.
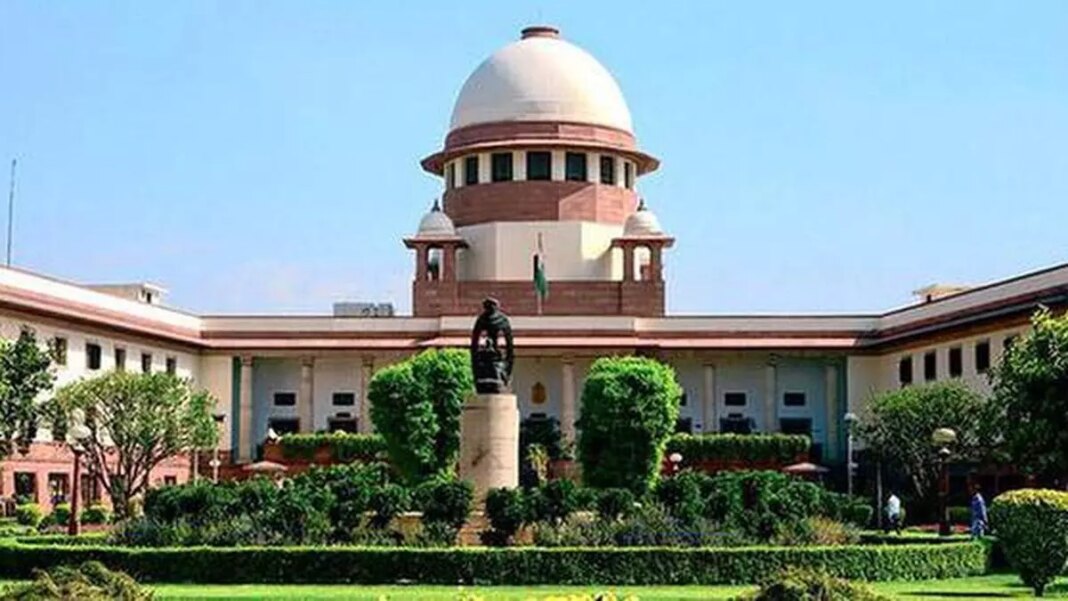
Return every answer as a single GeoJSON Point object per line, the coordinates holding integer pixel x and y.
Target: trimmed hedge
{"type": "Point", "coordinates": [344, 447]}
{"type": "Point", "coordinates": [781, 448]}
{"type": "Point", "coordinates": [509, 566]}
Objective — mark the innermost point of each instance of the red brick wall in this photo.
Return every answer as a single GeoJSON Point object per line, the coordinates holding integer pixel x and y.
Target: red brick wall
{"type": "Point", "coordinates": [46, 458]}
{"type": "Point", "coordinates": [539, 201]}
{"type": "Point", "coordinates": [646, 299]}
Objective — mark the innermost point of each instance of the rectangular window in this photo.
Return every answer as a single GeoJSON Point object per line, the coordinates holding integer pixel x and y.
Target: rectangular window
{"type": "Point", "coordinates": [501, 167]}
{"type": "Point", "coordinates": [92, 355]}
{"type": "Point", "coordinates": [120, 359]}
{"type": "Point", "coordinates": [982, 356]}
{"type": "Point", "coordinates": [172, 365]}
{"type": "Point", "coordinates": [58, 487]}
{"type": "Point", "coordinates": [285, 399]}
{"type": "Point", "coordinates": [736, 423]}
{"type": "Point", "coordinates": [796, 425]}
{"type": "Point", "coordinates": [628, 175]}
{"type": "Point", "coordinates": [793, 399]}
{"type": "Point", "coordinates": [344, 399]}
{"type": "Point", "coordinates": [170, 481]}
{"type": "Point", "coordinates": [930, 366]}
{"type": "Point", "coordinates": [904, 371]}
{"type": "Point", "coordinates": [956, 362]}
{"type": "Point", "coordinates": [25, 487]}
{"type": "Point", "coordinates": [575, 167]}
{"type": "Point", "coordinates": [471, 170]}
{"type": "Point", "coordinates": [539, 165]}
{"type": "Point", "coordinates": [734, 399]}
{"type": "Point", "coordinates": [59, 350]}
{"type": "Point", "coordinates": [284, 425]}
{"type": "Point", "coordinates": [608, 170]}
{"type": "Point", "coordinates": [1008, 342]}
{"type": "Point", "coordinates": [342, 424]}
{"type": "Point", "coordinates": [146, 363]}
{"type": "Point", "coordinates": [450, 176]}
{"type": "Point", "coordinates": [684, 425]}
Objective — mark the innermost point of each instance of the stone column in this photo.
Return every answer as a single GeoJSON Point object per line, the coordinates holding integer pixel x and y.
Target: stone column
{"type": "Point", "coordinates": [708, 398]}
{"type": "Point", "coordinates": [656, 268]}
{"type": "Point", "coordinates": [771, 393]}
{"type": "Point", "coordinates": [489, 442]}
{"type": "Point", "coordinates": [366, 371]}
{"type": "Point", "coordinates": [832, 411]}
{"type": "Point", "coordinates": [628, 262]}
{"type": "Point", "coordinates": [567, 401]}
{"type": "Point", "coordinates": [306, 402]}
{"type": "Point", "coordinates": [244, 432]}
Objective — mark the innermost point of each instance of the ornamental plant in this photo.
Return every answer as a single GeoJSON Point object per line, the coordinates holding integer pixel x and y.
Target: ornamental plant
{"type": "Point", "coordinates": [416, 405]}
{"type": "Point", "coordinates": [1031, 394]}
{"type": "Point", "coordinates": [629, 408]}
{"type": "Point", "coordinates": [1032, 527]}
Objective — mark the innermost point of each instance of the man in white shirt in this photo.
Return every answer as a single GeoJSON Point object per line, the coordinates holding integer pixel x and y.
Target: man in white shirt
{"type": "Point", "coordinates": [893, 514]}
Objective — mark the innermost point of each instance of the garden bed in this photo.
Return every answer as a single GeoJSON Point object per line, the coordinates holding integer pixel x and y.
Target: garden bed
{"type": "Point", "coordinates": [497, 566]}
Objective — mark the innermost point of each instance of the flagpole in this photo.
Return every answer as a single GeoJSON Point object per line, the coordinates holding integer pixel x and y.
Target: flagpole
{"type": "Point", "coordinates": [10, 211]}
{"type": "Point", "coordinates": [537, 293]}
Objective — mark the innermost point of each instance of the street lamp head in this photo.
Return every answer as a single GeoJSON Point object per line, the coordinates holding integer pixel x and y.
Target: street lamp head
{"type": "Point", "coordinates": [272, 435]}
{"type": "Point", "coordinates": [675, 458]}
{"type": "Point", "coordinates": [944, 453]}
{"type": "Point", "coordinates": [850, 417]}
{"type": "Point", "coordinates": [219, 417]}
{"type": "Point", "coordinates": [943, 437]}
{"type": "Point", "coordinates": [79, 433]}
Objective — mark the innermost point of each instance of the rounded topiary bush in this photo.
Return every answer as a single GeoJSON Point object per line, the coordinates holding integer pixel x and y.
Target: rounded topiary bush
{"type": "Point", "coordinates": [1032, 527]}
{"type": "Point", "coordinates": [96, 514]}
{"type": "Point", "coordinates": [28, 514]}
{"type": "Point", "coordinates": [629, 408]}
{"type": "Point", "coordinates": [61, 513]}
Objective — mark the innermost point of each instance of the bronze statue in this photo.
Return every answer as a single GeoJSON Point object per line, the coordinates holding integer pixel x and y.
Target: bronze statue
{"type": "Point", "coordinates": [490, 363]}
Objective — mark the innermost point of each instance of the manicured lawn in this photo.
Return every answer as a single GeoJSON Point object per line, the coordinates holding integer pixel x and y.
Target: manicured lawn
{"type": "Point", "coordinates": [1000, 586]}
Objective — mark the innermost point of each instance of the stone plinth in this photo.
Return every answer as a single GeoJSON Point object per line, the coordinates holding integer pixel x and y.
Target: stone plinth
{"type": "Point", "coordinates": [489, 442]}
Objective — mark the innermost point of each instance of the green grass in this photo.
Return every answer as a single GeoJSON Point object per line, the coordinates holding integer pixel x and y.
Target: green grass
{"type": "Point", "coordinates": [998, 586]}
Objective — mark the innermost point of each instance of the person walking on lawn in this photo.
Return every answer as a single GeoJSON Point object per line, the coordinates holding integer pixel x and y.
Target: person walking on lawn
{"type": "Point", "coordinates": [893, 514]}
{"type": "Point", "coordinates": [978, 512]}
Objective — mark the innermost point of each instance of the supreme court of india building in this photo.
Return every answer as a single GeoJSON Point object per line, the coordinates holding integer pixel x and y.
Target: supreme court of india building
{"type": "Point", "coordinates": [540, 153]}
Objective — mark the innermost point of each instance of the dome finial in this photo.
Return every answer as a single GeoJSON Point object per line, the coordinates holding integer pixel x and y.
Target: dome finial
{"type": "Point", "coordinates": [641, 203]}
{"type": "Point", "coordinates": [437, 206]}
{"type": "Point", "coordinates": [540, 31]}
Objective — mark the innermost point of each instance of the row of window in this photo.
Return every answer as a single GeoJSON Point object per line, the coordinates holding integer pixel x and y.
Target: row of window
{"type": "Point", "coordinates": [94, 357]}
{"type": "Point", "coordinates": [980, 359]}
{"type": "Point", "coordinates": [539, 167]}
{"type": "Point", "coordinates": [741, 399]}
{"type": "Point", "coordinates": [341, 422]}
{"type": "Point", "coordinates": [339, 399]}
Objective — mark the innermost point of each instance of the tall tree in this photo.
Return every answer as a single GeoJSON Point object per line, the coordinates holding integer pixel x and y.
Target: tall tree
{"type": "Point", "coordinates": [135, 421]}
{"type": "Point", "coordinates": [1031, 390]}
{"type": "Point", "coordinates": [900, 423]}
{"type": "Point", "coordinates": [25, 373]}
{"type": "Point", "coordinates": [629, 408]}
{"type": "Point", "coordinates": [416, 406]}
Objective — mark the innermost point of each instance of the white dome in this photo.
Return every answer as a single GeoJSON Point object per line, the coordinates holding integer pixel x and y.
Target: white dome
{"type": "Point", "coordinates": [436, 223]}
{"type": "Point", "coordinates": [541, 78]}
{"type": "Point", "coordinates": [642, 222]}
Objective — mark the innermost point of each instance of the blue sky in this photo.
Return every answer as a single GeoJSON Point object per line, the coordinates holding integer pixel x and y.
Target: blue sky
{"type": "Point", "coordinates": [263, 156]}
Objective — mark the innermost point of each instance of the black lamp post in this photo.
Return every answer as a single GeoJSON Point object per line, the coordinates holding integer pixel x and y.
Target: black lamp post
{"type": "Point", "coordinates": [215, 463]}
{"type": "Point", "coordinates": [942, 438]}
{"type": "Point", "coordinates": [79, 432]}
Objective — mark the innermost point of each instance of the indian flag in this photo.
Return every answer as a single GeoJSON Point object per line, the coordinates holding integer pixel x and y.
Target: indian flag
{"type": "Point", "coordinates": [541, 284]}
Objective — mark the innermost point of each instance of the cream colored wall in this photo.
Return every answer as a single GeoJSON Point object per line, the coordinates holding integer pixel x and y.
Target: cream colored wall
{"type": "Point", "coordinates": [76, 366]}
{"type": "Point", "coordinates": [216, 376]}
{"type": "Point", "coordinates": [574, 250]}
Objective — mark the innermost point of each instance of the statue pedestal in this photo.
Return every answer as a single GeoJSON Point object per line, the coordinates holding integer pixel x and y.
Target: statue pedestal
{"type": "Point", "coordinates": [489, 442]}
